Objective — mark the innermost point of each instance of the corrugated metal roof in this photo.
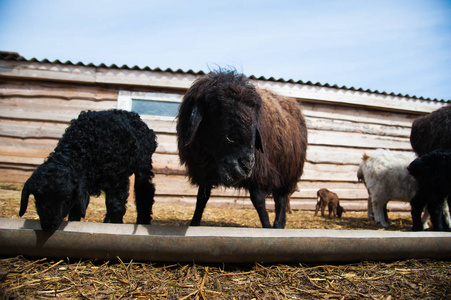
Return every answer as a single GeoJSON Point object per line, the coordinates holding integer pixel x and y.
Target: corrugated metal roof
{"type": "Point", "coordinates": [14, 56]}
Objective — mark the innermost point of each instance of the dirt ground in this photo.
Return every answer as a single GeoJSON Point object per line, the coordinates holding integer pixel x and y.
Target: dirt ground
{"type": "Point", "coordinates": [179, 214]}
{"type": "Point", "coordinates": [36, 278]}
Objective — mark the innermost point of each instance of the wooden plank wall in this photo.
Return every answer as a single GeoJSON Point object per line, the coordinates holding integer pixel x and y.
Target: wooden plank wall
{"type": "Point", "coordinates": [338, 137]}
{"type": "Point", "coordinates": [34, 114]}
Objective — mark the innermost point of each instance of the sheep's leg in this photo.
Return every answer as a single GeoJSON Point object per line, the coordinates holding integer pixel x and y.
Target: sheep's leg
{"type": "Point", "coordinates": [386, 213]}
{"type": "Point", "coordinates": [378, 208]}
{"type": "Point", "coordinates": [203, 194]}
{"type": "Point", "coordinates": [332, 210]}
{"type": "Point", "coordinates": [116, 198]}
{"type": "Point", "coordinates": [318, 203]}
{"type": "Point", "coordinates": [81, 202]}
{"type": "Point", "coordinates": [280, 201]}
{"type": "Point", "coordinates": [417, 204]}
{"type": "Point", "coordinates": [258, 199]}
{"type": "Point", "coordinates": [144, 197]}
{"type": "Point", "coordinates": [370, 209]}
{"type": "Point", "coordinates": [435, 208]}
{"type": "Point", "coordinates": [446, 212]}
{"type": "Point", "coordinates": [424, 219]}
{"type": "Point", "coordinates": [323, 207]}
{"type": "Point", "coordinates": [75, 213]}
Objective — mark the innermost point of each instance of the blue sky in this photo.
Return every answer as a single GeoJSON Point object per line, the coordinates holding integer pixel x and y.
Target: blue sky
{"type": "Point", "coordinates": [400, 46]}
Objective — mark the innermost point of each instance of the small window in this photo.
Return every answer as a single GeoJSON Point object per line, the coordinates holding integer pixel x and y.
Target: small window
{"type": "Point", "coordinates": [159, 105]}
{"type": "Point", "coordinates": [155, 107]}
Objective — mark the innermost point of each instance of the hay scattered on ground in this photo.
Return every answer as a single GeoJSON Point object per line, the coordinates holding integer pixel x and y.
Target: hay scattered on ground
{"type": "Point", "coordinates": [38, 278]}
{"type": "Point", "coordinates": [45, 278]}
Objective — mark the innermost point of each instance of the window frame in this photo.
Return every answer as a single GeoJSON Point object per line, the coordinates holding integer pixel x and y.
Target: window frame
{"type": "Point", "coordinates": [125, 99]}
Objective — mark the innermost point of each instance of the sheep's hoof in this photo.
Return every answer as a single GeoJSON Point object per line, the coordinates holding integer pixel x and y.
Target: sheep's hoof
{"type": "Point", "coordinates": [385, 225]}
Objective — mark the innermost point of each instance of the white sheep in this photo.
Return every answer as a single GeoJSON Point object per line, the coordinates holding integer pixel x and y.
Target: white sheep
{"type": "Point", "coordinates": [385, 175]}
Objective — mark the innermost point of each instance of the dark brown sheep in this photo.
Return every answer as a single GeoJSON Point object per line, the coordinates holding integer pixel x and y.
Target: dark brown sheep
{"type": "Point", "coordinates": [432, 132]}
{"type": "Point", "coordinates": [235, 135]}
{"type": "Point", "coordinates": [328, 199]}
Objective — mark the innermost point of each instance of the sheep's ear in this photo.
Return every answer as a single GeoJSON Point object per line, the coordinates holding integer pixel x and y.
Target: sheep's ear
{"type": "Point", "coordinates": [258, 140]}
{"type": "Point", "coordinates": [83, 197]}
{"type": "Point", "coordinates": [24, 199]}
{"type": "Point", "coordinates": [194, 122]}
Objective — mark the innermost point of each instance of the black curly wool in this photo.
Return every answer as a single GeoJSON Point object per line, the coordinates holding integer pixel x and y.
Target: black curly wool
{"type": "Point", "coordinates": [98, 151]}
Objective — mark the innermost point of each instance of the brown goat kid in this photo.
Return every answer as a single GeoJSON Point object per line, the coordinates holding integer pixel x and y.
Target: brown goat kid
{"type": "Point", "coordinates": [329, 199]}
{"type": "Point", "coordinates": [235, 135]}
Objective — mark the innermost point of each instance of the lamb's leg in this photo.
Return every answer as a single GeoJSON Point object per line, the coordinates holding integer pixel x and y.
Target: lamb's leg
{"type": "Point", "coordinates": [386, 213]}
{"type": "Point", "coordinates": [332, 210]}
{"type": "Point", "coordinates": [318, 203]}
{"type": "Point", "coordinates": [378, 209]}
{"type": "Point", "coordinates": [144, 196]}
{"type": "Point", "coordinates": [424, 219]}
{"type": "Point", "coordinates": [280, 200]}
{"type": "Point", "coordinates": [435, 208]}
{"type": "Point", "coordinates": [203, 194]}
{"type": "Point", "coordinates": [417, 204]}
{"type": "Point", "coordinates": [116, 199]}
{"type": "Point", "coordinates": [75, 213]}
{"type": "Point", "coordinates": [323, 207]}
{"type": "Point", "coordinates": [258, 199]}
{"type": "Point", "coordinates": [81, 203]}
{"type": "Point", "coordinates": [446, 212]}
{"type": "Point", "coordinates": [370, 209]}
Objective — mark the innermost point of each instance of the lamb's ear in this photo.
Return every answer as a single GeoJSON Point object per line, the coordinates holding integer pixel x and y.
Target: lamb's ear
{"type": "Point", "coordinates": [258, 140]}
{"type": "Point", "coordinates": [194, 122]}
{"type": "Point", "coordinates": [83, 198]}
{"type": "Point", "coordinates": [24, 199]}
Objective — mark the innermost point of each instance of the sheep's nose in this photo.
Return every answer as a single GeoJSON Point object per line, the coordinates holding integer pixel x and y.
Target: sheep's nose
{"type": "Point", "coordinates": [49, 226]}
{"type": "Point", "coordinates": [247, 163]}
{"type": "Point", "coordinates": [236, 169]}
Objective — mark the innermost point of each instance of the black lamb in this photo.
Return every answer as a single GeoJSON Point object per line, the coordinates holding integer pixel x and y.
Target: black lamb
{"type": "Point", "coordinates": [433, 174]}
{"type": "Point", "coordinates": [98, 151]}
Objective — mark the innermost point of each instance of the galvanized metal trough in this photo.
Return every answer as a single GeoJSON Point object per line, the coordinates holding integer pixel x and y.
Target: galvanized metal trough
{"type": "Point", "coordinates": [216, 244]}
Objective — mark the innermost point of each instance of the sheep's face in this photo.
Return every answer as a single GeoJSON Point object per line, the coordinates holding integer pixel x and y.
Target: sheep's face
{"type": "Point", "coordinates": [54, 195]}
{"type": "Point", "coordinates": [224, 128]}
{"type": "Point", "coordinates": [233, 141]}
{"type": "Point", "coordinates": [52, 206]}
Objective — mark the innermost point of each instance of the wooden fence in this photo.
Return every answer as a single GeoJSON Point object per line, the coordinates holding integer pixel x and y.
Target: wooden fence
{"type": "Point", "coordinates": [38, 100]}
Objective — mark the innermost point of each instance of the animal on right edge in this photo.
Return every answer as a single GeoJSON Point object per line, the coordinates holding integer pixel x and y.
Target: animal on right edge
{"type": "Point", "coordinates": [328, 199]}
{"type": "Point", "coordinates": [433, 173]}
{"type": "Point", "coordinates": [429, 133]}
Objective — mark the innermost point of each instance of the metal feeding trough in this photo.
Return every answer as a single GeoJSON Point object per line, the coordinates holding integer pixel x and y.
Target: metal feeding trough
{"type": "Point", "coordinates": [216, 244]}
